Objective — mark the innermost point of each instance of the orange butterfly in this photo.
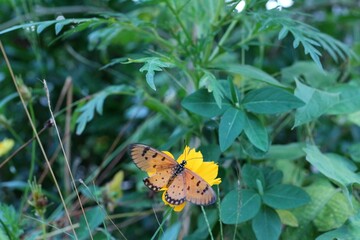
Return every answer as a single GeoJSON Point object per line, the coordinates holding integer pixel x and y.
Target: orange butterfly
{"type": "Point", "coordinates": [181, 183]}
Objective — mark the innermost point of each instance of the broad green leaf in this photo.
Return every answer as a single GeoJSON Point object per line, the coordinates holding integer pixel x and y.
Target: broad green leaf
{"type": "Point", "coordinates": [214, 86]}
{"type": "Point", "coordinates": [238, 207]}
{"type": "Point", "coordinates": [95, 216]}
{"type": "Point", "coordinates": [354, 152]}
{"type": "Point", "coordinates": [96, 104]}
{"type": "Point", "coordinates": [349, 231]}
{"type": "Point", "coordinates": [308, 71]}
{"type": "Point", "coordinates": [320, 192]}
{"type": "Point", "coordinates": [271, 100]}
{"type": "Point", "coordinates": [267, 224]}
{"type": "Point", "coordinates": [287, 218]}
{"type": "Point", "coordinates": [317, 103]}
{"type": "Point", "coordinates": [334, 168]}
{"type": "Point", "coordinates": [151, 65]}
{"type": "Point", "coordinates": [285, 197]}
{"type": "Point", "coordinates": [203, 103]}
{"type": "Point", "coordinates": [251, 73]}
{"type": "Point", "coordinates": [272, 177]}
{"type": "Point", "coordinates": [251, 174]}
{"type": "Point", "coordinates": [231, 125]}
{"type": "Point", "coordinates": [334, 214]}
{"type": "Point", "coordinates": [349, 101]}
{"type": "Point", "coordinates": [172, 232]}
{"type": "Point", "coordinates": [256, 132]}
{"type": "Point", "coordinates": [289, 151]}
{"type": "Point", "coordinates": [210, 152]}
{"type": "Point", "coordinates": [249, 149]}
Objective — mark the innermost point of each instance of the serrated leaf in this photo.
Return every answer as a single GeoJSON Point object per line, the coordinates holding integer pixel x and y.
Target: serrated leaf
{"type": "Point", "coordinates": [285, 197]}
{"type": "Point", "coordinates": [203, 103]}
{"type": "Point", "coordinates": [151, 65]}
{"type": "Point", "coordinates": [231, 125]}
{"type": "Point", "coordinates": [266, 224]}
{"type": "Point", "coordinates": [238, 207]}
{"type": "Point", "coordinates": [271, 100]}
{"type": "Point", "coordinates": [349, 100]}
{"type": "Point", "coordinates": [252, 73]}
{"type": "Point", "coordinates": [317, 103]}
{"type": "Point", "coordinates": [333, 168]}
{"type": "Point", "coordinates": [87, 111]}
{"type": "Point", "coordinates": [256, 132]}
{"type": "Point", "coordinates": [283, 32]}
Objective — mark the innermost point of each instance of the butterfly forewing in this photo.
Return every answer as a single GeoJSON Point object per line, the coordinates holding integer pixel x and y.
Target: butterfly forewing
{"type": "Point", "coordinates": [149, 159]}
{"type": "Point", "coordinates": [198, 191]}
{"type": "Point", "coordinates": [176, 191]}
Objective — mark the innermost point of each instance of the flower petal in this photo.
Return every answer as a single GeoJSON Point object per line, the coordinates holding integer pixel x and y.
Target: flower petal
{"type": "Point", "coordinates": [193, 158]}
{"type": "Point", "coordinates": [209, 171]}
{"type": "Point", "coordinates": [169, 154]}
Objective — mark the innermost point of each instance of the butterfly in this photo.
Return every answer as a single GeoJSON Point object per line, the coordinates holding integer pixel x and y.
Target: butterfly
{"type": "Point", "coordinates": [182, 184]}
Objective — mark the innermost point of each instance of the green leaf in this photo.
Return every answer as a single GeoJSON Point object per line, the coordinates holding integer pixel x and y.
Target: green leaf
{"type": "Point", "coordinates": [10, 225]}
{"type": "Point", "coordinates": [87, 111]}
{"type": "Point", "coordinates": [354, 152]}
{"type": "Point", "coordinates": [349, 101]}
{"type": "Point", "coordinates": [350, 230]}
{"type": "Point", "coordinates": [321, 193]}
{"type": "Point", "coordinates": [266, 224]}
{"type": "Point", "coordinates": [256, 132]}
{"type": "Point", "coordinates": [334, 214]}
{"type": "Point", "coordinates": [231, 125]}
{"type": "Point", "coordinates": [251, 73]}
{"type": "Point", "coordinates": [172, 232]}
{"type": "Point", "coordinates": [289, 151]}
{"type": "Point", "coordinates": [214, 86]}
{"type": "Point", "coordinates": [238, 207]}
{"type": "Point", "coordinates": [334, 168]}
{"type": "Point", "coordinates": [271, 100]}
{"type": "Point", "coordinates": [309, 71]}
{"type": "Point", "coordinates": [272, 177]}
{"type": "Point", "coordinates": [95, 216]}
{"type": "Point", "coordinates": [287, 218]}
{"type": "Point", "coordinates": [203, 103]}
{"type": "Point", "coordinates": [151, 65]}
{"type": "Point", "coordinates": [285, 197]}
{"type": "Point", "coordinates": [317, 103]}
{"type": "Point", "coordinates": [251, 175]}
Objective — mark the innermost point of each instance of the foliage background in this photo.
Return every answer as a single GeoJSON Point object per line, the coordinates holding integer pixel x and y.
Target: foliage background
{"type": "Point", "coordinates": [263, 93]}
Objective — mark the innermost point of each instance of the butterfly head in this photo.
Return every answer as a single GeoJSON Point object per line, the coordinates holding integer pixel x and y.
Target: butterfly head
{"type": "Point", "coordinates": [183, 163]}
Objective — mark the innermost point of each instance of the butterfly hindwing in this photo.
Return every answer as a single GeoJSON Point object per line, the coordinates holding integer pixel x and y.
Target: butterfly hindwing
{"type": "Point", "coordinates": [175, 193]}
{"type": "Point", "coordinates": [198, 191]}
{"type": "Point", "coordinates": [158, 180]}
{"type": "Point", "coordinates": [149, 159]}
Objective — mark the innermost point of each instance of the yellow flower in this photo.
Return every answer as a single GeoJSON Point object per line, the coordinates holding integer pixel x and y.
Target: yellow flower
{"type": "Point", "coordinates": [194, 162]}
{"type": "Point", "coordinates": [5, 146]}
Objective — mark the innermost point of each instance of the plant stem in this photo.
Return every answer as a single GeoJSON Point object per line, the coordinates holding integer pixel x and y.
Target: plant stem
{"type": "Point", "coordinates": [207, 222]}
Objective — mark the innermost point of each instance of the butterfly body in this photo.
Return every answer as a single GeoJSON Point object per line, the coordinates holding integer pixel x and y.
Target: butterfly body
{"type": "Point", "coordinates": [181, 183]}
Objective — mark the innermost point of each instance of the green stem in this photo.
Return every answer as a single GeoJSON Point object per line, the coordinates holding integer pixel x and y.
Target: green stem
{"type": "Point", "coordinates": [219, 207]}
{"type": "Point", "coordinates": [223, 39]}
{"type": "Point", "coordinates": [207, 222]}
{"type": "Point", "coordinates": [162, 223]}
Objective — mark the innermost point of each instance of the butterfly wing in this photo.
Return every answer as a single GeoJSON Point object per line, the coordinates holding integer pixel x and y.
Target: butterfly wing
{"type": "Point", "coordinates": [198, 191]}
{"type": "Point", "coordinates": [149, 159]}
{"type": "Point", "coordinates": [175, 193]}
{"type": "Point", "coordinates": [159, 180]}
